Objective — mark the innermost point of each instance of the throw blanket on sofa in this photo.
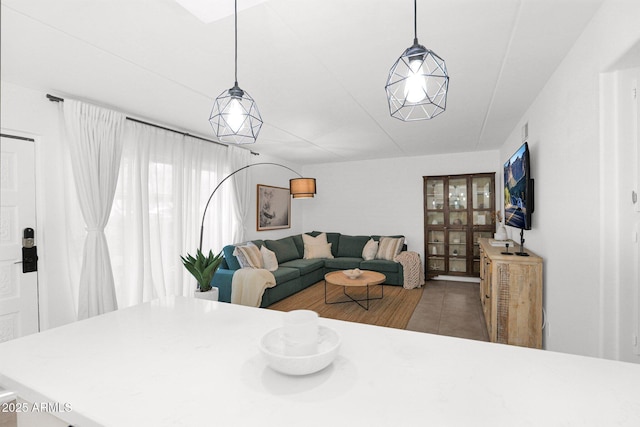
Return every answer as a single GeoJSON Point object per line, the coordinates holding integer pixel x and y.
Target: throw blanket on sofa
{"type": "Point", "coordinates": [248, 285]}
{"type": "Point", "coordinates": [412, 269]}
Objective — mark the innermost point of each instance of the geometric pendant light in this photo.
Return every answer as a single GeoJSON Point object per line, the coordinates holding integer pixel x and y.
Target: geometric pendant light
{"type": "Point", "coordinates": [418, 82]}
{"type": "Point", "coordinates": [235, 117]}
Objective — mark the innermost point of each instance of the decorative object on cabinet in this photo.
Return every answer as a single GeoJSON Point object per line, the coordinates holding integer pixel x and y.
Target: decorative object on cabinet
{"type": "Point", "coordinates": [511, 296]}
{"type": "Point", "coordinates": [458, 210]}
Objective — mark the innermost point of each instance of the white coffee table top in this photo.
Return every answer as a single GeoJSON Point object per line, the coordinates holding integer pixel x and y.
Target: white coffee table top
{"type": "Point", "coordinates": [187, 362]}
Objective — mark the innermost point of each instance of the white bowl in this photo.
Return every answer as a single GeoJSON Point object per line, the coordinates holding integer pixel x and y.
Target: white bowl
{"type": "Point", "coordinates": [273, 349]}
{"type": "Point", "coordinates": [353, 274]}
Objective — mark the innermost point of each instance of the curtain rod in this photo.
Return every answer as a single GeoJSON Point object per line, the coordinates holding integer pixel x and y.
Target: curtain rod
{"type": "Point", "coordinates": [53, 98]}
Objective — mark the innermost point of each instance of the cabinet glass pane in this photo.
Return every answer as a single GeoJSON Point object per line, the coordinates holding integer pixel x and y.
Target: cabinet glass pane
{"type": "Point", "coordinates": [435, 243]}
{"type": "Point", "coordinates": [482, 218]}
{"type": "Point", "coordinates": [435, 194]}
{"type": "Point", "coordinates": [458, 265]}
{"type": "Point", "coordinates": [476, 236]}
{"type": "Point", "coordinates": [482, 193]}
{"type": "Point", "coordinates": [435, 264]}
{"type": "Point", "coordinates": [458, 218]}
{"type": "Point", "coordinates": [476, 266]}
{"type": "Point", "coordinates": [457, 194]}
{"type": "Point", "coordinates": [435, 218]}
{"type": "Point", "coordinates": [458, 243]}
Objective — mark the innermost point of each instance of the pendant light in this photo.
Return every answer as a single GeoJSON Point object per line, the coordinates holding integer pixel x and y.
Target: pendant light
{"type": "Point", "coordinates": [418, 82]}
{"type": "Point", "coordinates": [235, 117]}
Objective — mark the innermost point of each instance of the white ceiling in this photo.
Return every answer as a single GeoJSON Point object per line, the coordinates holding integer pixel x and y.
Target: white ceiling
{"type": "Point", "coordinates": [316, 68]}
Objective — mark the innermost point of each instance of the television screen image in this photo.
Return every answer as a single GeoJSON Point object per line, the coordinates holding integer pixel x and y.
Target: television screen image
{"type": "Point", "coordinates": [518, 190]}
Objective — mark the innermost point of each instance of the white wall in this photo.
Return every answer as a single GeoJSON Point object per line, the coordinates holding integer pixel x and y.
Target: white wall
{"type": "Point", "coordinates": [27, 111]}
{"type": "Point", "coordinates": [569, 164]}
{"type": "Point", "coordinates": [383, 197]}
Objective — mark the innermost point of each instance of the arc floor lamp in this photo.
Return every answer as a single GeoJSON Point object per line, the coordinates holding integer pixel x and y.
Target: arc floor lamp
{"type": "Point", "coordinates": [300, 188]}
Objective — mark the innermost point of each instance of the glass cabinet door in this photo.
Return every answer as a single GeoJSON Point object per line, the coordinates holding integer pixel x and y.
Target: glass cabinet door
{"type": "Point", "coordinates": [436, 247]}
{"type": "Point", "coordinates": [435, 201]}
{"type": "Point", "coordinates": [482, 200]}
{"type": "Point", "coordinates": [458, 251]}
{"type": "Point", "coordinates": [458, 201]}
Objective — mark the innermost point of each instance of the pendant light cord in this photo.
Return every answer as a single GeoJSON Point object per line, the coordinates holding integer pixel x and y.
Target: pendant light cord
{"type": "Point", "coordinates": [415, 21]}
{"type": "Point", "coordinates": [236, 35]}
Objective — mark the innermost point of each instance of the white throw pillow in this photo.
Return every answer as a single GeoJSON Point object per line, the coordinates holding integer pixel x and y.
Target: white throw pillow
{"type": "Point", "coordinates": [370, 250]}
{"type": "Point", "coordinates": [269, 259]}
{"type": "Point", "coordinates": [308, 240]}
{"type": "Point", "coordinates": [317, 251]}
{"type": "Point", "coordinates": [389, 247]}
{"type": "Point", "coordinates": [248, 256]}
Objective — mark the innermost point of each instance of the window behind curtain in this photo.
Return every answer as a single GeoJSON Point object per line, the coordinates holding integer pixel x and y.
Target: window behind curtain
{"type": "Point", "coordinates": [165, 181]}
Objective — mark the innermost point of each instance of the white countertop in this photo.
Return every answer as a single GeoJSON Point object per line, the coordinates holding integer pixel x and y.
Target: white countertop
{"type": "Point", "coordinates": [188, 362]}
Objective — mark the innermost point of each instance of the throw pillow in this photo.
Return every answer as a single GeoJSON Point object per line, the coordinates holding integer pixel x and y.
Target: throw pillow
{"type": "Point", "coordinates": [248, 256]}
{"type": "Point", "coordinates": [269, 259]}
{"type": "Point", "coordinates": [370, 250]}
{"type": "Point", "coordinates": [389, 247]}
{"type": "Point", "coordinates": [317, 251]}
{"type": "Point", "coordinates": [320, 239]}
{"type": "Point", "coordinates": [285, 249]}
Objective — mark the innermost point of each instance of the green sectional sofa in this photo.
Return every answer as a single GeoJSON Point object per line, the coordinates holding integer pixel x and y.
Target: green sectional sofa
{"type": "Point", "coordinates": [295, 273]}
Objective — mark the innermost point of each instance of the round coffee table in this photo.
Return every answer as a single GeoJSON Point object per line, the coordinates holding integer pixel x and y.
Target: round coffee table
{"type": "Point", "coordinates": [366, 279]}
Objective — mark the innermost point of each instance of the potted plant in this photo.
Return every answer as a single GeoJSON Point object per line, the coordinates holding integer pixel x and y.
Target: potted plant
{"type": "Point", "coordinates": [203, 268]}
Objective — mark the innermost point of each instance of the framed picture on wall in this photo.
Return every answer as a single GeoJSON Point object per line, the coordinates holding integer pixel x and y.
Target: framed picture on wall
{"type": "Point", "coordinates": [274, 208]}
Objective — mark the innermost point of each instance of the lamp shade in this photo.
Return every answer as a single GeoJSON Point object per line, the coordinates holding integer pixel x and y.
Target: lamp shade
{"type": "Point", "coordinates": [302, 188]}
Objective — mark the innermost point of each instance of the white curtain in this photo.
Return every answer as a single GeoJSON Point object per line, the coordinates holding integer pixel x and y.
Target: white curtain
{"type": "Point", "coordinates": [165, 181]}
{"type": "Point", "coordinates": [236, 159]}
{"type": "Point", "coordinates": [94, 138]}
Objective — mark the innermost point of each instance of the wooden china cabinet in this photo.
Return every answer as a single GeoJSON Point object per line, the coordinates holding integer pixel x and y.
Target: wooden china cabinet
{"type": "Point", "coordinates": [458, 210]}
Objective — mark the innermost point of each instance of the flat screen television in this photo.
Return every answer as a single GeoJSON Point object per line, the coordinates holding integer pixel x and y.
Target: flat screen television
{"type": "Point", "coordinates": [518, 190]}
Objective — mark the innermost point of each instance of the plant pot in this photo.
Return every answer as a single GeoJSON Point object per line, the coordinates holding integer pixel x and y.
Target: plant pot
{"type": "Point", "coordinates": [211, 295]}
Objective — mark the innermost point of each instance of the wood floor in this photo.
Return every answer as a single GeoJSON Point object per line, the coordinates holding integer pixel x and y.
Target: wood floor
{"type": "Point", "coordinates": [394, 310]}
{"type": "Point", "coordinates": [441, 307]}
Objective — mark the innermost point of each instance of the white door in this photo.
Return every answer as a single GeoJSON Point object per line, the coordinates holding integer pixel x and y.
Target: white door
{"type": "Point", "coordinates": [18, 290]}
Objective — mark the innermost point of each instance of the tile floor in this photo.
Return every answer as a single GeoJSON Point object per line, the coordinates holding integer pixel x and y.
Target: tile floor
{"type": "Point", "coordinates": [450, 308]}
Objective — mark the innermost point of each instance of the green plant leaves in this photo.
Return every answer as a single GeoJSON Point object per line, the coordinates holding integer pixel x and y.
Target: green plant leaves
{"type": "Point", "coordinates": [202, 267]}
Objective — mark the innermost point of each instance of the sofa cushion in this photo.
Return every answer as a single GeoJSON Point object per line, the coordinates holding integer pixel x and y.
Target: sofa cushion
{"type": "Point", "coordinates": [370, 250]}
{"type": "Point", "coordinates": [297, 239]}
{"type": "Point", "coordinates": [232, 261]}
{"type": "Point", "coordinates": [284, 274]}
{"type": "Point", "coordinates": [380, 265]}
{"type": "Point", "coordinates": [389, 247]}
{"type": "Point", "coordinates": [351, 246]}
{"type": "Point", "coordinates": [333, 238]}
{"type": "Point", "coordinates": [258, 243]}
{"type": "Point", "coordinates": [305, 266]}
{"type": "Point", "coordinates": [269, 259]}
{"type": "Point", "coordinates": [343, 263]}
{"type": "Point", "coordinates": [248, 256]}
{"type": "Point", "coordinates": [318, 251]}
{"type": "Point", "coordinates": [285, 249]}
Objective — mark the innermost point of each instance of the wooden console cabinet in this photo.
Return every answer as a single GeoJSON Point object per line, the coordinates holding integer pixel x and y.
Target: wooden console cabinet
{"type": "Point", "coordinates": [511, 295]}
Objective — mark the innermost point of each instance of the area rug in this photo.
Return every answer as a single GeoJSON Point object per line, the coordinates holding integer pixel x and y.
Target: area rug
{"type": "Point", "coordinates": [393, 311]}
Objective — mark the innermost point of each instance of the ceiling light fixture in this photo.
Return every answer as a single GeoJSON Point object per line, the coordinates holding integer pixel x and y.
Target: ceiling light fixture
{"type": "Point", "coordinates": [235, 117]}
{"type": "Point", "coordinates": [418, 82]}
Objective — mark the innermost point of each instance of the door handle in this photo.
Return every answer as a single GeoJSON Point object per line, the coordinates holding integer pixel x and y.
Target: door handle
{"type": "Point", "coordinates": [29, 251]}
